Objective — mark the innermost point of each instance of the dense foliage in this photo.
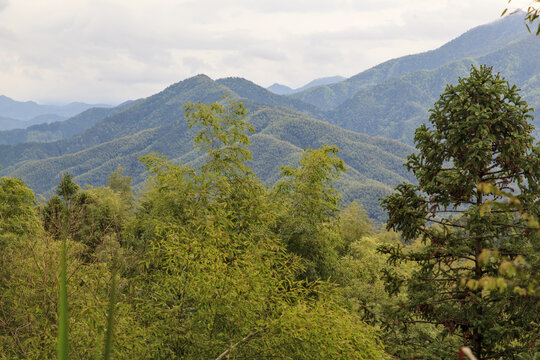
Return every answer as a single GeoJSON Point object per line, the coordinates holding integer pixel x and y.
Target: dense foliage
{"type": "Point", "coordinates": [202, 258]}
{"type": "Point", "coordinates": [480, 142]}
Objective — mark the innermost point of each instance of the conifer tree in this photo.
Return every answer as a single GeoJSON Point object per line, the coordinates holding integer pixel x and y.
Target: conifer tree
{"type": "Point", "coordinates": [480, 134]}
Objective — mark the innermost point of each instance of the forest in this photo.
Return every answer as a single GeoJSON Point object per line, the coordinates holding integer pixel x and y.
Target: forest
{"type": "Point", "coordinates": [211, 262]}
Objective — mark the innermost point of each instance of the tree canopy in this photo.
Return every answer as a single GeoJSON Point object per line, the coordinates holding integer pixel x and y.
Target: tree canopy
{"type": "Point", "coordinates": [480, 134]}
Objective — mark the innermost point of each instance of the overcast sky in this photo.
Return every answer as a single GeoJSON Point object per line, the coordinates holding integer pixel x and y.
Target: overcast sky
{"type": "Point", "coordinates": [109, 51]}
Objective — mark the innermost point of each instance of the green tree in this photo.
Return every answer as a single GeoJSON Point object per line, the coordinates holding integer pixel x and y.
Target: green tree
{"type": "Point", "coordinates": [120, 183]}
{"type": "Point", "coordinates": [354, 224]}
{"type": "Point", "coordinates": [101, 216]}
{"type": "Point", "coordinates": [67, 188]}
{"type": "Point", "coordinates": [18, 217]}
{"type": "Point", "coordinates": [310, 204]}
{"type": "Point", "coordinates": [361, 275]}
{"type": "Point", "coordinates": [218, 283]}
{"type": "Point", "coordinates": [89, 216]}
{"type": "Point", "coordinates": [58, 212]}
{"type": "Point", "coordinates": [480, 134]}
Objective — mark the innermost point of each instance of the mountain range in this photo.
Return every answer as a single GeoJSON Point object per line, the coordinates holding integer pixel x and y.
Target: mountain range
{"type": "Point", "coordinates": [479, 41]}
{"type": "Point", "coordinates": [371, 117]}
{"type": "Point", "coordinates": [22, 114]}
{"type": "Point", "coordinates": [285, 90]}
{"type": "Point", "coordinates": [283, 127]}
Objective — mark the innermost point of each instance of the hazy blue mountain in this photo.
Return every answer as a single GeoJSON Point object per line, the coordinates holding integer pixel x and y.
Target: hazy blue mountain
{"type": "Point", "coordinates": [280, 89]}
{"type": "Point", "coordinates": [321, 81]}
{"type": "Point", "coordinates": [476, 42]}
{"type": "Point", "coordinates": [48, 132]}
{"type": "Point", "coordinates": [285, 90]}
{"type": "Point", "coordinates": [29, 110]}
{"type": "Point", "coordinates": [9, 123]}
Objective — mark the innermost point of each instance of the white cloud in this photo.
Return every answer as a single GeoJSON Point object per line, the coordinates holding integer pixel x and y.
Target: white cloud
{"type": "Point", "coordinates": [114, 50]}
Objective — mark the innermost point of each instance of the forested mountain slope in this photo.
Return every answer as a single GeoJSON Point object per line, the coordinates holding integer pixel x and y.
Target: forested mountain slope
{"type": "Point", "coordinates": [246, 89]}
{"type": "Point", "coordinates": [476, 42]}
{"type": "Point", "coordinates": [395, 108]}
{"type": "Point", "coordinates": [160, 109]}
{"type": "Point", "coordinates": [375, 164]}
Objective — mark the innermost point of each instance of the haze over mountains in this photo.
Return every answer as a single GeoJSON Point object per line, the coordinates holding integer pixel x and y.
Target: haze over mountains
{"type": "Point", "coordinates": [285, 90]}
{"type": "Point", "coordinates": [21, 114]}
{"type": "Point", "coordinates": [364, 116]}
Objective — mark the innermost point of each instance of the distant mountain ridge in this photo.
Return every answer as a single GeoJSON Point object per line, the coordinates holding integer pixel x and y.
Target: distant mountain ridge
{"type": "Point", "coordinates": [476, 42]}
{"type": "Point", "coordinates": [396, 107]}
{"type": "Point", "coordinates": [9, 123]}
{"type": "Point", "coordinates": [31, 113]}
{"type": "Point", "coordinates": [58, 130]}
{"type": "Point", "coordinates": [280, 89]}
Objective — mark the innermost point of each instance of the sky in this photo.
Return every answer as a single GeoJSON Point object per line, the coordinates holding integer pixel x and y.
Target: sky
{"type": "Point", "coordinates": [109, 51]}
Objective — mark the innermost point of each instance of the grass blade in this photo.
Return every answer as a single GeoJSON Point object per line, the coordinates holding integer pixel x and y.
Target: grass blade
{"type": "Point", "coordinates": [110, 319]}
{"type": "Point", "coordinates": [62, 350]}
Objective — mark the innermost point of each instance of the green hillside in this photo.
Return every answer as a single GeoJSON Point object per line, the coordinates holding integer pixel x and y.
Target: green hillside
{"type": "Point", "coordinates": [158, 110]}
{"type": "Point", "coordinates": [375, 164]}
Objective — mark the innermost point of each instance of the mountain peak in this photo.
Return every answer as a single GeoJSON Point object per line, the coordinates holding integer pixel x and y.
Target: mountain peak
{"type": "Point", "coordinates": [285, 90]}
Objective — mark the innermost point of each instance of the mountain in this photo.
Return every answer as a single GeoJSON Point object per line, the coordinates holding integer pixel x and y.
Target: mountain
{"type": "Point", "coordinates": [396, 107]}
{"type": "Point", "coordinates": [476, 42]}
{"type": "Point", "coordinates": [283, 127]}
{"type": "Point", "coordinates": [34, 113]}
{"type": "Point", "coordinates": [45, 119]}
{"type": "Point", "coordinates": [285, 90]}
{"type": "Point", "coordinates": [9, 123]}
{"type": "Point", "coordinates": [321, 81]}
{"type": "Point", "coordinates": [252, 92]}
{"type": "Point", "coordinates": [48, 132]}
{"type": "Point", "coordinates": [280, 89]}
